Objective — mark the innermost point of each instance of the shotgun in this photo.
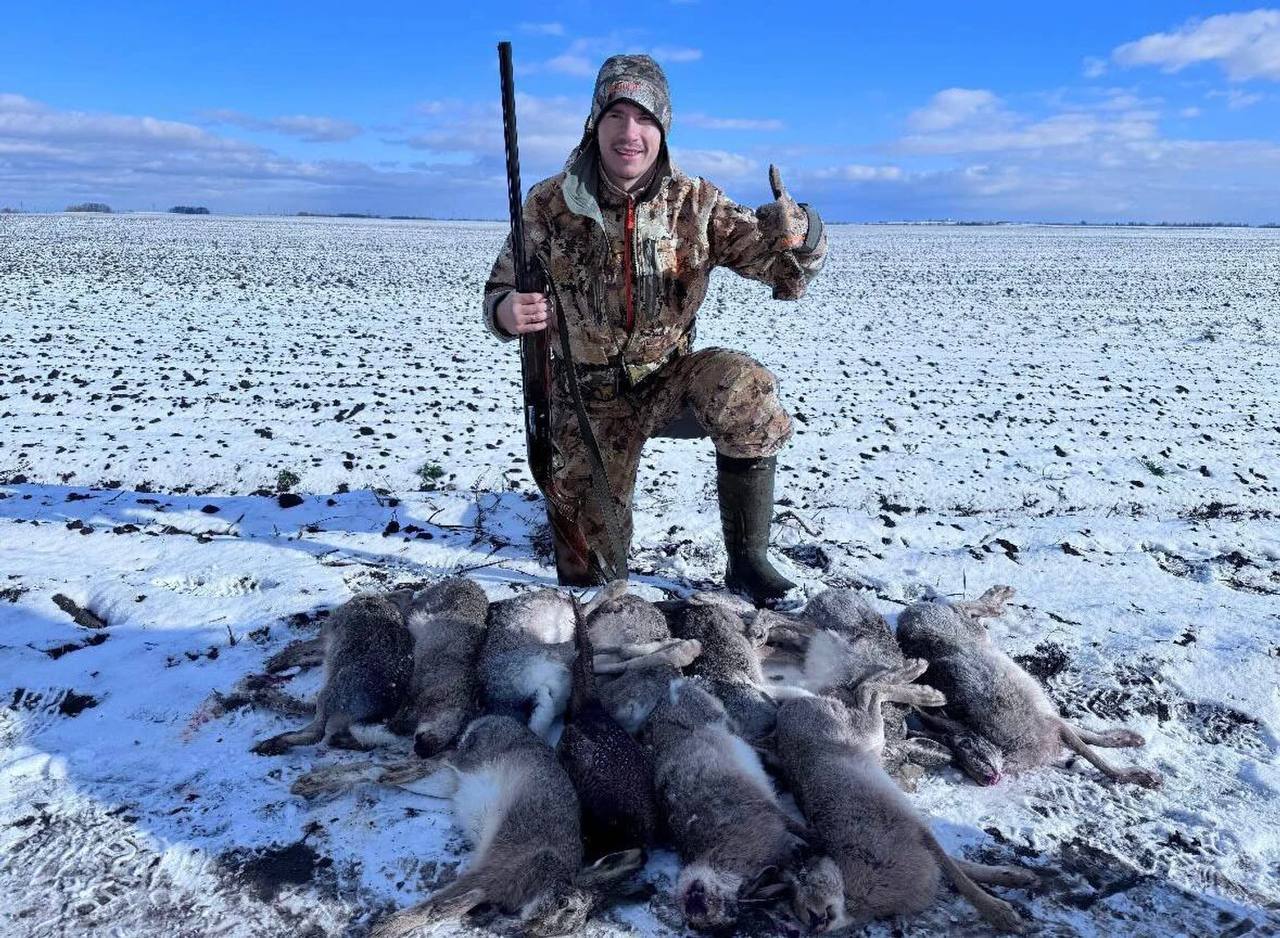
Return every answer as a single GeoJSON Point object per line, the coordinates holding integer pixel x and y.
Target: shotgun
{"type": "Point", "coordinates": [574, 563]}
{"type": "Point", "coordinates": [535, 349]}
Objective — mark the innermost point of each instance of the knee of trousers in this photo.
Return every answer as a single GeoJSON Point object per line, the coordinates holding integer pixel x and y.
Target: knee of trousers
{"type": "Point", "coordinates": [739, 408]}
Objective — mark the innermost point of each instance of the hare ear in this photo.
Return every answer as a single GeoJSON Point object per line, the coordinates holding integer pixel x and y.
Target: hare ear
{"type": "Point", "coordinates": [614, 589]}
{"type": "Point", "coordinates": [768, 893]}
{"type": "Point", "coordinates": [611, 868]}
{"type": "Point", "coordinates": [801, 833]}
{"type": "Point", "coordinates": [767, 745]}
{"type": "Point", "coordinates": [764, 885]}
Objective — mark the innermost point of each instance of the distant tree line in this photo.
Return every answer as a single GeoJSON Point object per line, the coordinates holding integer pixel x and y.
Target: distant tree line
{"type": "Point", "coordinates": [336, 215]}
{"type": "Point", "coordinates": [103, 208]}
{"type": "Point", "coordinates": [1172, 224]}
{"type": "Point", "coordinates": [1068, 224]}
{"type": "Point", "coordinates": [370, 215]}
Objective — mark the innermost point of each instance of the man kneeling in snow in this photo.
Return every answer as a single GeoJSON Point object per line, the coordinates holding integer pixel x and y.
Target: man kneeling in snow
{"type": "Point", "coordinates": [629, 242]}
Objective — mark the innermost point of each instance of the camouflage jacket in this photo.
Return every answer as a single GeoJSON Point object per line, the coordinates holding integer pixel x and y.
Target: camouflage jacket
{"type": "Point", "coordinates": [681, 227]}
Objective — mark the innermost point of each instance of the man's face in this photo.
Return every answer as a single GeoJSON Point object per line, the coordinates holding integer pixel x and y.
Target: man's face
{"type": "Point", "coordinates": [629, 140]}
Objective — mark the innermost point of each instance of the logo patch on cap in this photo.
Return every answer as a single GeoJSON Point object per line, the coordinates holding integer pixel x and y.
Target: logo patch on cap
{"type": "Point", "coordinates": [625, 87]}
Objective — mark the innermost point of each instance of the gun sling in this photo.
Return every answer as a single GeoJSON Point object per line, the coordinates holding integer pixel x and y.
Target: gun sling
{"type": "Point", "coordinates": [615, 567]}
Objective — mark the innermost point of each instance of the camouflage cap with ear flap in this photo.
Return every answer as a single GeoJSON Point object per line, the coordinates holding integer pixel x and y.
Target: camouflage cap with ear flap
{"type": "Point", "coordinates": [635, 78]}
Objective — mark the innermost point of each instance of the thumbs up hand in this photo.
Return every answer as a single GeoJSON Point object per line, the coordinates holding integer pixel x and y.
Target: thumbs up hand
{"type": "Point", "coordinates": [783, 223]}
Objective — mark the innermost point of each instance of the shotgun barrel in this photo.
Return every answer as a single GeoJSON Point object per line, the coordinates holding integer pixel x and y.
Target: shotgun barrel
{"type": "Point", "coordinates": [535, 347]}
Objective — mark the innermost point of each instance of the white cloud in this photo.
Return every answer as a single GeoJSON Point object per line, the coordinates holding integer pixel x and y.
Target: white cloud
{"type": "Point", "coordinates": [717, 165]}
{"type": "Point", "coordinates": [585, 55]}
{"type": "Point", "coordinates": [730, 123]}
{"type": "Point", "coordinates": [1124, 101]}
{"type": "Point", "coordinates": [548, 129]}
{"type": "Point", "coordinates": [857, 172]}
{"type": "Point", "coordinates": [22, 117]}
{"type": "Point", "coordinates": [1236, 99]}
{"type": "Point", "coordinates": [1056, 132]}
{"type": "Point", "coordinates": [1093, 67]}
{"type": "Point", "coordinates": [1142, 180]}
{"type": "Point", "coordinates": [1245, 45]}
{"type": "Point", "coordinates": [570, 64]}
{"type": "Point", "coordinates": [675, 54]}
{"type": "Point", "coordinates": [964, 121]}
{"type": "Point", "coordinates": [953, 107]}
{"type": "Point", "coordinates": [1104, 160]}
{"type": "Point", "coordinates": [50, 157]}
{"type": "Point", "coordinates": [543, 29]}
{"type": "Point", "coordinates": [582, 59]}
{"type": "Point", "coordinates": [306, 127]}
{"type": "Point", "coordinates": [16, 103]}
{"type": "Point", "coordinates": [434, 107]}
{"type": "Point", "coordinates": [1101, 160]}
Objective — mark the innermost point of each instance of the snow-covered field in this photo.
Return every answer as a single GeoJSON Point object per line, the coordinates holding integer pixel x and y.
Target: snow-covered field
{"type": "Point", "coordinates": [1089, 415]}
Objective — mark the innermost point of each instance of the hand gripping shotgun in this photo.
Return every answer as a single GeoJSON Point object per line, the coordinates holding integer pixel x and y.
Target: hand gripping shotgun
{"type": "Point", "coordinates": [575, 562]}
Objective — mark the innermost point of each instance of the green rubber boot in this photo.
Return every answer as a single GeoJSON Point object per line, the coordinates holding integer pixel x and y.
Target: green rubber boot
{"type": "Point", "coordinates": [745, 487]}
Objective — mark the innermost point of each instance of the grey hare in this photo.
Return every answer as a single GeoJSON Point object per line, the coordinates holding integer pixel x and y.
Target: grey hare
{"type": "Point", "coordinates": [368, 662]}
{"type": "Point", "coordinates": [719, 805]}
{"type": "Point", "coordinates": [517, 808]}
{"type": "Point", "coordinates": [998, 719]}
{"type": "Point", "coordinates": [844, 640]}
{"type": "Point", "coordinates": [447, 623]}
{"type": "Point", "coordinates": [879, 857]}
{"type": "Point", "coordinates": [527, 652]}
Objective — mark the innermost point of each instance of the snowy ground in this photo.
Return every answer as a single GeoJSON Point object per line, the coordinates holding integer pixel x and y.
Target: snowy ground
{"type": "Point", "coordinates": [1087, 414]}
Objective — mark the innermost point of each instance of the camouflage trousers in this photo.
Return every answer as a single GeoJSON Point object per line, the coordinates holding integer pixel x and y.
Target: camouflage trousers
{"type": "Point", "coordinates": [732, 396]}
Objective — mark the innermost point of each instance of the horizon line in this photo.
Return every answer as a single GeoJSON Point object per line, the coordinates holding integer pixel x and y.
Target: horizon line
{"type": "Point", "coordinates": [953, 222]}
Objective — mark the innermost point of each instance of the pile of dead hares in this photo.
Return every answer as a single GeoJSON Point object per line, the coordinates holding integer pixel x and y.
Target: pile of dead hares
{"type": "Point", "coordinates": [671, 732]}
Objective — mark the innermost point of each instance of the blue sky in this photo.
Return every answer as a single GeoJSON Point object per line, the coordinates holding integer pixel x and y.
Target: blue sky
{"type": "Point", "coordinates": [1096, 111]}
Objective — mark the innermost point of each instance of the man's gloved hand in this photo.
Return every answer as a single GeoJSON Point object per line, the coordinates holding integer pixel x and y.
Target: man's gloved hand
{"type": "Point", "coordinates": [784, 223]}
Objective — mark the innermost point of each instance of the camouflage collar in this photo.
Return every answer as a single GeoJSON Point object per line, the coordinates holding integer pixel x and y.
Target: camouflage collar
{"type": "Point", "coordinates": [610, 194]}
{"type": "Point", "coordinates": [584, 186]}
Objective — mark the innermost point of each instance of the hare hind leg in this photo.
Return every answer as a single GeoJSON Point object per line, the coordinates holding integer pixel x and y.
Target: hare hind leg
{"type": "Point", "coordinates": [894, 685]}
{"type": "Point", "coordinates": [310, 734]}
{"type": "Point", "coordinates": [997, 912]}
{"type": "Point", "coordinates": [926, 751]}
{"type": "Point", "coordinates": [340, 735]}
{"type": "Point", "coordinates": [915, 695]}
{"type": "Point", "coordinates": [446, 904]}
{"type": "Point", "coordinates": [1120, 738]}
{"type": "Point", "coordinates": [336, 779]}
{"type": "Point", "coordinates": [998, 875]}
{"type": "Point", "coordinates": [989, 605]}
{"type": "Point", "coordinates": [679, 653]}
{"type": "Point", "coordinates": [1134, 776]}
{"type": "Point", "coordinates": [306, 653]}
